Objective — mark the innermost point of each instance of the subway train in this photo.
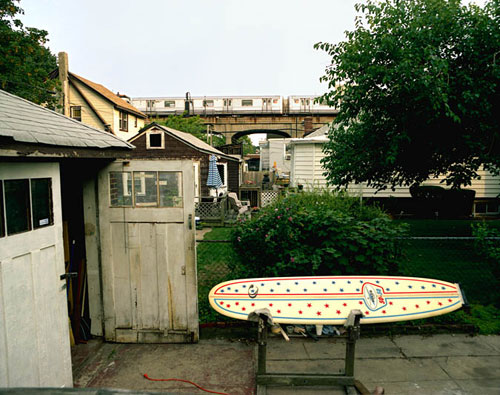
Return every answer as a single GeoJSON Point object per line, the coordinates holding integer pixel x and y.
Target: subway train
{"type": "Point", "coordinates": [234, 105]}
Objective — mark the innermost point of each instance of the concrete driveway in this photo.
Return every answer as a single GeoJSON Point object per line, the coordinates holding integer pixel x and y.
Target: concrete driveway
{"type": "Point", "coordinates": [439, 364]}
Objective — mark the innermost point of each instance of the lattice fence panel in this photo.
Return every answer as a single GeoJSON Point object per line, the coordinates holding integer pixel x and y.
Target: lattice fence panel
{"type": "Point", "coordinates": [208, 209]}
{"type": "Point", "coordinates": [268, 197]}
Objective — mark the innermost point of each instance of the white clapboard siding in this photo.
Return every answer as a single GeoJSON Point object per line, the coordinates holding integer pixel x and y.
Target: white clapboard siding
{"type": "Point", "coordinates": [308, 171]}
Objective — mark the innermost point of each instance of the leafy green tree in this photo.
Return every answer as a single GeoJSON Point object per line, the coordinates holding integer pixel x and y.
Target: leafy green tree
{"type": "Point", "coordinates": [417, 84]}
{"type": "Point", "coordinates": [248, 147]}
{"type": "Point", "coordinates": [25, 61]}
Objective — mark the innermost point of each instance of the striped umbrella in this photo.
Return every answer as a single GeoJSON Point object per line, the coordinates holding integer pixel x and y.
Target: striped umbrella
{"type": "Point", "coordinates": [214, 180]}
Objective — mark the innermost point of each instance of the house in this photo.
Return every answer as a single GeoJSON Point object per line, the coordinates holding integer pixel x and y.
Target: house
{"type": "Point", "coordinates": [161, 142]}
{"type": "Point", "coordinates": [95, 105]}
{"type": "Point", "coordinates": [306, 170]}
{"type": "Point", "coordinates": [74, 202]}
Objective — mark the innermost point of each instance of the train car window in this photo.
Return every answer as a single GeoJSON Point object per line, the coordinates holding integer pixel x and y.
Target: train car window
{"type": "Point", "coordinates": [169, 103]}
{"type": "Point", "coordinates": [208, 103]}
{"type": "Point", "coordinates": [247, 102]}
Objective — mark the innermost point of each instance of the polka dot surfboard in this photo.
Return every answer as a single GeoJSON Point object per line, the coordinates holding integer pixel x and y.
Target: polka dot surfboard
{"type": "Point", "coordinates": [328, 300]}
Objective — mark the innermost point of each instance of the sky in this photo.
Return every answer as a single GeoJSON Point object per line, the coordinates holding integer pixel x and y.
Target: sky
{"type": "Point", "coordinates": [206, 47]}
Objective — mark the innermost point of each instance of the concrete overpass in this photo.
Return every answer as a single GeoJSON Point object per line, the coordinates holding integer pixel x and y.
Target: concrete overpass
{"type": "Point", "coordinates": [232, 126]}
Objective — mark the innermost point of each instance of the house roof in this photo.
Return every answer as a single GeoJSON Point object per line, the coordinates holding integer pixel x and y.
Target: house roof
{"type": "Point", "coordinates": [106, 93]}
{"type": "Point", "coordinates": [310, 140]}
{"type": "Point", "coordinates": [26, 122]}
{"type": "Point", "coordinates": [322, 131]}
{"type": "Point", "coordinates": [187, 138]}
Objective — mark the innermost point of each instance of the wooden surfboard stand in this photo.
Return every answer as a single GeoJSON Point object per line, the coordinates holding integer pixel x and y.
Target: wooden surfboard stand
{"type": "Point", "coordinates": [345, 379]}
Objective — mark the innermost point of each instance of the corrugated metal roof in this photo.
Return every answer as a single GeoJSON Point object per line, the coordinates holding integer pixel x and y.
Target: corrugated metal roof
{"type": "Point", "coordinates": [27, 122]}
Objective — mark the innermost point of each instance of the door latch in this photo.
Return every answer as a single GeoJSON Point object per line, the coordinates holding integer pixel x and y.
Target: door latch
{"type": "Point", "coordinates": [67, 276]}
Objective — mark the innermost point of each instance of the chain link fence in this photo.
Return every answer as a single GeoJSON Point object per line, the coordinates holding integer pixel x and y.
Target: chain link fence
{"type": "Point", "coordinates": [453, 259]}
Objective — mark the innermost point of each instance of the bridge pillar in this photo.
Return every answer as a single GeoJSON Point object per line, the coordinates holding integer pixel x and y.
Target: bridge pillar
{"type": "Point", "coordinates": [229, 137]}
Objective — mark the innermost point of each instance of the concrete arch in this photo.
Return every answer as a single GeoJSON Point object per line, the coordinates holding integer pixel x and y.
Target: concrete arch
{"type": "Point", "coordinates": [280, 133]}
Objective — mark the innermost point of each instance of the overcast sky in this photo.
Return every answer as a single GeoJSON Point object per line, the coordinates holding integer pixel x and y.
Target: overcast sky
{"type": "Point", "coordinates": [206, 47]}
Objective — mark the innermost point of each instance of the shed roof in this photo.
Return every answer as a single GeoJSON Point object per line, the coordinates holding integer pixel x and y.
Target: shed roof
{"type": "Point", "coordinates": [188, 138]}
{"type": "Point", "coordinates": [26, 122]}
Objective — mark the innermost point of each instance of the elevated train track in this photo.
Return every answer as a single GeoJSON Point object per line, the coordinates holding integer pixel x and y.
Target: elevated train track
{"type": "Point", "coordinates": [237, 116]}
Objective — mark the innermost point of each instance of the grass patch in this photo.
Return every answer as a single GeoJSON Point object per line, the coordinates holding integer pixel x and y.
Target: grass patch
{"type": "Point", "coordinates": [212, 260]}
{"type": "Point", "coordinates": [219, 234]}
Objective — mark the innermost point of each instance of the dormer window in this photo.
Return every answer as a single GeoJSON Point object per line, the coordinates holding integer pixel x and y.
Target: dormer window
{"type": "Point", "coordinates": [155, 139]}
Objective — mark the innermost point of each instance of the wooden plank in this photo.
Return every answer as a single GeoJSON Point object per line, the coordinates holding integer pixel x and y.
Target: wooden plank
{"type": "Point", "coordinates": [122, 295]}
{"type": "Point", "coordinates": [148, 315]}
{"type": "Point", "coordinates": [162, 277]}
{"type": "Point", "coordinates": [50, 301]}
{"type": "Point", "coordinates": [134, 255]}
{"type": "Point", "coordinates": [189, 233]}
{"type": "Point", "coordinates": [21, 331]}
{"type": "Point", "coordinates": [92, 235]}
{"type": "Point", "coordinates": [176, 281]}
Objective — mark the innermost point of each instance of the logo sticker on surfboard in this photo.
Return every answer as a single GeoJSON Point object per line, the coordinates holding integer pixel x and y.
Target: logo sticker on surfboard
{"type": "Point", "coordinates": [374, 296]}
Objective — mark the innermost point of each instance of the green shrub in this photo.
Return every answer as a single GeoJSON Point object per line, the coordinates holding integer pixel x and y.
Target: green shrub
{"type": "Point", "coordinates": [318, 234]}
{"type": "Point", "coordinates": [487, 245]}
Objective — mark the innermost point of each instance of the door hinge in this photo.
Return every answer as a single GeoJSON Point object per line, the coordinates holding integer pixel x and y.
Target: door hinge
{"type": "Point", "coordinates": [183, 270]}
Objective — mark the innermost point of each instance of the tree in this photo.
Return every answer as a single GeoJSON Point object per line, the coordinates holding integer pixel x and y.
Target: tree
{"type": "Point", "coordinates": [25, 62]}
{"type": "Point", "coordinates": [417, 84]}
{"type": "Point", "coordinates": [248, 147]}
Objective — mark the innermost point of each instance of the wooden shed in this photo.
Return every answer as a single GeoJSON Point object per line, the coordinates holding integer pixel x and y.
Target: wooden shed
{"type": "Point", "coordinates": [73, 200]}
{"type": "Point", "coordinates": [160, 142]}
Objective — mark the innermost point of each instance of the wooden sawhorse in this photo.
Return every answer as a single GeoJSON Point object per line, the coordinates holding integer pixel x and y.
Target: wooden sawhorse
{"type": "Point", "coordinates": [345, 379]}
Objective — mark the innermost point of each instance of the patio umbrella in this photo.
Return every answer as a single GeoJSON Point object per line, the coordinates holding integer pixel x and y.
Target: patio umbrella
{"type": "Point", "coordinates": [214, 180]}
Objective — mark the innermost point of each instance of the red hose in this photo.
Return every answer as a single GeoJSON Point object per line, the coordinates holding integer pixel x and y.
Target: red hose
{"type": "Point", "coordinates": [185, 381]}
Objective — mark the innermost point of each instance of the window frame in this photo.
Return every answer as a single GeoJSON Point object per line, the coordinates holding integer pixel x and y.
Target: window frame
{"type": "Point", "coordinates": [72, 109]}
{"type": "Point", "coordinates": [155, 132]}
{"type": "Point", "coordinates": [246, 102]}
{"type": "Point", "coordinates": [123, 121]}
{"type": "Point", "coordinates": [224, 175]}
{"type": "Point", "coordinates": [143, 192]}
{"type": "Point", "coordinates": [4, 229]}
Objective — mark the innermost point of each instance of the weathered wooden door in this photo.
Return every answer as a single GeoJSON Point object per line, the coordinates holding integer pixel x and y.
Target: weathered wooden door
{"type": "Point", "coordinates": [34, 330]}
{"type": "Point", "coordinates": [146, 214]}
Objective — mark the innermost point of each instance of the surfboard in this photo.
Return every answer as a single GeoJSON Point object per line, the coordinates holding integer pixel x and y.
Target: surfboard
{"type": "Point", "coordinates": [328, 300]}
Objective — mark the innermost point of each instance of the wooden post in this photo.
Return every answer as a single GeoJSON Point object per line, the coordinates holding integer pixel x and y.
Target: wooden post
{"type": "Point", "coordinates": [262, 342]}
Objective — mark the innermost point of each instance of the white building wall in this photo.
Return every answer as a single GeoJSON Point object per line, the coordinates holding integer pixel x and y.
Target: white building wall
{"type": "Point", "coordinates": [308, 171]}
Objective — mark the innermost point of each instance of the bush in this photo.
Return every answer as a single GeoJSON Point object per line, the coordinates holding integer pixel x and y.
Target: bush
{"type": "Point", "coordinates": [487, 244]}
{"type": "Point", "coordinates": [318, 234]}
